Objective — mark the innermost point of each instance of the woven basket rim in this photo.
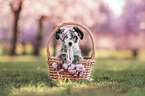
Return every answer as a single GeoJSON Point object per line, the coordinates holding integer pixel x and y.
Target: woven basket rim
{"type": "Point", "coordinates": [60, 59]}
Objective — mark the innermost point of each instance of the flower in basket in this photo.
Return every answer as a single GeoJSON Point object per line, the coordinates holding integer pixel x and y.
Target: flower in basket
{"type": "Point", "coordinates": [76, 74]}
{"type": "Point", "coordinates": [81, 74]}
{"type": "Point", "coordinates": [80, 68]}
{"type": "Point", "coordinates": [71, 71]}
{"type": "Point", "coordinates": [61, 70]}
{"type": "Point", "coordinates": [54, 65]}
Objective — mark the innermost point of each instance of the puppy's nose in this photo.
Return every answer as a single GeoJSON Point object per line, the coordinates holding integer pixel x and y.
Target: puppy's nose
{"type": "Point", "coordinates": [70, 43]}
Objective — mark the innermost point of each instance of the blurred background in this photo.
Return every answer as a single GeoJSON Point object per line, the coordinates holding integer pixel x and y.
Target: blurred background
{"type": "Point", "coordinates": [118, 26]}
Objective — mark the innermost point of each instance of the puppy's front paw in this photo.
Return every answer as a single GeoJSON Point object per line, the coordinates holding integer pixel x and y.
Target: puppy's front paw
{"type": "Point", "coordinates": [65, 66]}
{"type": "Point", "coordinates": [73, 66]}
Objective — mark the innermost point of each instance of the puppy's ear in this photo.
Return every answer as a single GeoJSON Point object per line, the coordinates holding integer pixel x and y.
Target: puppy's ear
{"type": "Point", "coordinates": [80, 33]}
{"type": "Point", "coordinates": [57, 34]}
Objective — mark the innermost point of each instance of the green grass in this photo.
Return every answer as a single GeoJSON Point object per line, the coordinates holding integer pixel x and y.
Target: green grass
{"type": "Point", "coordinates": [29, 76]}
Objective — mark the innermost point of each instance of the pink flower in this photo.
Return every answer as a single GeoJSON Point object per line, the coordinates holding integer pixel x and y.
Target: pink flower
{"type": "Point", "coordinates": [76, 75]}
{"type": "Point", "coordinates": [80, 68]}
{"type": "Point", "coordinates": [71, 71]}
{"type": "Point", "coordinates": [54, 65]}
{"type": "Point", "coordinates": [61, 70]}
{"type": "Point", "coordinates": [81, 74]}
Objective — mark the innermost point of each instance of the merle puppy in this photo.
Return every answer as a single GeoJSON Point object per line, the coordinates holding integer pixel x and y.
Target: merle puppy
{"type": "Point", "coordinates": [69, 51]}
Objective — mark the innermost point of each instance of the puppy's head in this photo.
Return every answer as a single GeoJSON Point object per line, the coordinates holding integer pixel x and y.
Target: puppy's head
{"type": "Point", "coordinates": [69, 36]}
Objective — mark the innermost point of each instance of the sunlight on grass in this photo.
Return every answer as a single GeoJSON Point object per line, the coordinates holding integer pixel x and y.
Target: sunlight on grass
{"type": "Point", "coordinates": [43, 51]}
{"type": "Point", "coordinates": [62, 89]}
{"type": "Point", "coordinates": [102, 53]}
{"type": "Point", "coordinates": [118, 65]}
{"type": "Point", "coordinates": [19, 48]}
{"type": "Point", "coordinates": [1, 51]}
{"type": "Point", "coordinates": [21, 58]}
{"type": "Point", "coordinates": [29, 48]}
{"type": "Point", "coordinates": [32, 90]}
{"type": "Point", "coordinates": [141, 55]}
{"type": "Point", "coordinates": [24, 66]}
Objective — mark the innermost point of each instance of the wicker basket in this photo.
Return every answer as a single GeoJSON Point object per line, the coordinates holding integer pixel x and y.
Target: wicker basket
{"type": "Point", "coordinates": [87, 61]}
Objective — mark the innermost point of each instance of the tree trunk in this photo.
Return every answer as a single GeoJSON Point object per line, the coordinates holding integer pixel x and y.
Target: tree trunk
{"type": "Point", "coordinates": [134, 53]}
{"type": "Point", "coordinates": [15, 30]}
{"type": "Point", "coordinates": [37, 45]}
{"type": "Point", "coordinates": [24, 49]}
{"type": "Point", "coordinates": [14, 40]}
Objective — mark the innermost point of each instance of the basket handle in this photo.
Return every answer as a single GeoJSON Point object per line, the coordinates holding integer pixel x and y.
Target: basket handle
{"type": "Point", "coordinates": [71, 23]}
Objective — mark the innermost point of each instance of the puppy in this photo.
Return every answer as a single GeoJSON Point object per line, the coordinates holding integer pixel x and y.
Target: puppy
{"type": "Point", "coordinates": [69, 51]}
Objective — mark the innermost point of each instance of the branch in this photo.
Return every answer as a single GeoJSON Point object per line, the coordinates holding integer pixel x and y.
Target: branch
{"type": "Point", "coordinates": [20, 6]}
{"type": "Point", "coordinates": [12, 8]}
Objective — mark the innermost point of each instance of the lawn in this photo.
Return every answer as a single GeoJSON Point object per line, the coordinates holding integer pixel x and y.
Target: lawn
{"type": "Point", "coordinates": [29, 76]}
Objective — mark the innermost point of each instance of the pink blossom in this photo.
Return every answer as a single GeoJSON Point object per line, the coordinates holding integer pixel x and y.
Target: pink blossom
{"type": "Point", "coordinates": [75, 75]}
{"type": "Point", "coordinates": [81, 74]}
{"type": "Point", "coordinates": [54, 65]}
{"type": "Point", "coordinates": [61, 70]}
{"type": "Point", "coordinates": [71, 71]}
{"type": "Point", "coordinates": [80, 68]}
